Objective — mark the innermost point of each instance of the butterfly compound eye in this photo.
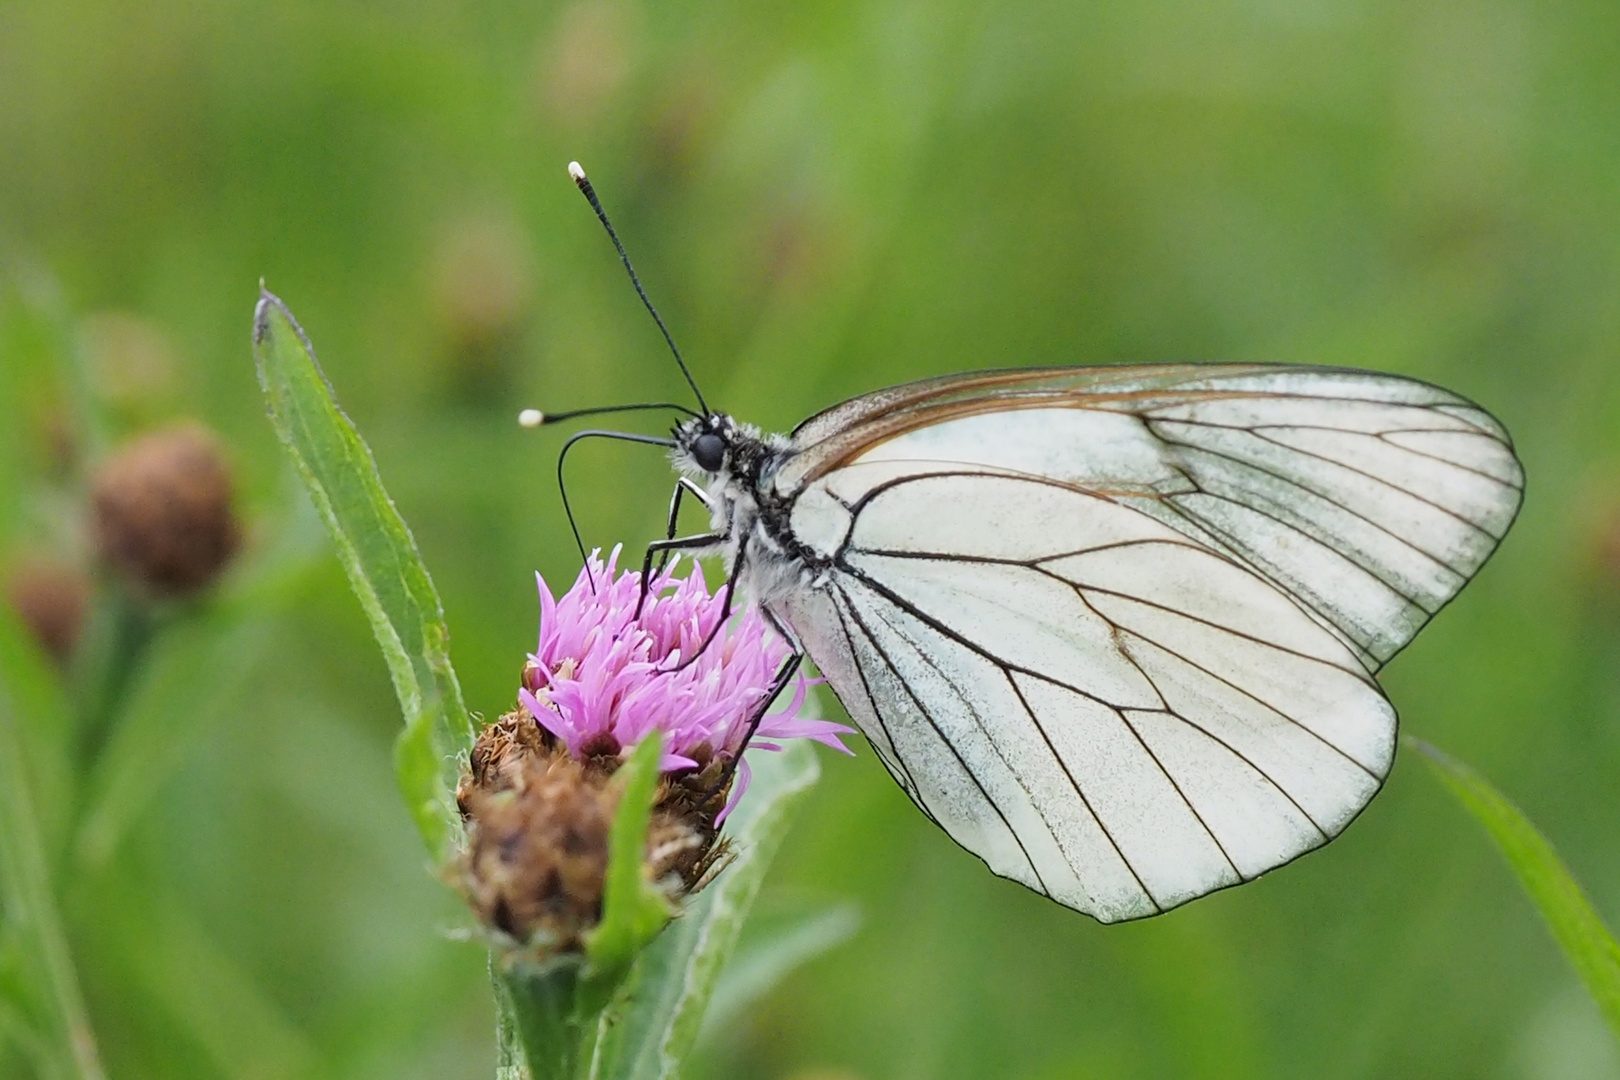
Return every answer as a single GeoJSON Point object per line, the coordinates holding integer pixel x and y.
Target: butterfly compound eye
{"type": "Point", "coordinates": [709, 451]}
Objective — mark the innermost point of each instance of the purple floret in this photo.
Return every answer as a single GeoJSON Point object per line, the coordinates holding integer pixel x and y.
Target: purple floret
{"type": "Point", "coordinates": [599, 671]}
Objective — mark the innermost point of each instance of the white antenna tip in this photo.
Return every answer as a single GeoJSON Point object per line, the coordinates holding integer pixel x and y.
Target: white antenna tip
{"type": "Point", "coordinates": [531, 417]}
{"type": "Point", "coordinates": [576, 171]}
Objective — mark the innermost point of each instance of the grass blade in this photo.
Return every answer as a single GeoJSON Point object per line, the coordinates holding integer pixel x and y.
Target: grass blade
{"type": "Point", "coordinates": [1569, 914]}
{"type": "Point", "coordinates": [382, 562]}
{"type": "Point", "coordinates": [45, 727]}
{"type": "Point", "coordinates": [30, 906]}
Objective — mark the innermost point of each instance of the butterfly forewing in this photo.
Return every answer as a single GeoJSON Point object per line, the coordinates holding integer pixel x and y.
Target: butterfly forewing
{"type": "Point", "coordinates": [1115, 629]}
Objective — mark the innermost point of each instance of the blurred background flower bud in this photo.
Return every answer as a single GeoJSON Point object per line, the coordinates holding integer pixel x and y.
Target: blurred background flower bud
{"type": "Point", "coordinates": [50, 597]}
{"type": "Point", "coordinates": [583, 62]}
{"type": "Point", "coordinates": [481, 288]}
{"type": "Point", "coordinates": [134, 365]}
{"type": "Point", "coordinates": [681, 126]}
{"type": "Point", "coordinates": [1603, 543]}
{"type": "Point", "coordinates": [162, 511]}
{"type": "Point", "coordinates": [56, 443]}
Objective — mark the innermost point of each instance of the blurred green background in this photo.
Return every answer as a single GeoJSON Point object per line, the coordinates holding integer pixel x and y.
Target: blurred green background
{"type": "Point", "coordinates": [824, 197]}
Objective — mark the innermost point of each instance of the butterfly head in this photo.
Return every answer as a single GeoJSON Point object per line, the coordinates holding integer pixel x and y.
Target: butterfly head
{"type": "Point", "coordinates": [706, 444]}
{"type": "Point", "coordinates": [721, 450]}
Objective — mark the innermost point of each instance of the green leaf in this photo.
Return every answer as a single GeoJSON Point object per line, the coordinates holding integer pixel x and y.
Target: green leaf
{"type": "Point", "coordinates": [652, 1029]}
{"type": "Point", "coordinates": [30, 908]}
{"type": "Point", "coordinates": [1574, 923]}
{"type": "Point", "coordinates": [383, 565]}
{"type": "Point", "coordinates": [632, 910]}
{"type": "Point", "coordinates": [45, 726]}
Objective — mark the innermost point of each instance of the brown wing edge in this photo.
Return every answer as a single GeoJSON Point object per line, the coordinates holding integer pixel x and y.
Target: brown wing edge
{"type": "Point", "coordinates": [836, 435]}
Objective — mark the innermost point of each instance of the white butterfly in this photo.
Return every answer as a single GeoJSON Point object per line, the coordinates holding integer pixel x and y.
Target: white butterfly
{"type": "Point", "coordinates": [1114, 629]}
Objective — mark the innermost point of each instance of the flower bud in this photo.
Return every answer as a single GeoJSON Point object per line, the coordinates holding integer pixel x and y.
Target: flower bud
{"type": "Point", "coordinates": [163, 514]}
{"type": "Point", "coordinates": [1603, 545]}
{"type": "Point", "coordinates": [538, 821]}
{"type": "Point", "coordinates": [51, 598]}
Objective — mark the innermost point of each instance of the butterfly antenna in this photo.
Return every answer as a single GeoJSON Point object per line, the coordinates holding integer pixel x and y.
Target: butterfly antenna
{"type": "Point", "coordinates": [562, 484]}
{"type": "Point", "coordinates": [533, 418]}
{"type": "Point", "coordinates": [584, 184]}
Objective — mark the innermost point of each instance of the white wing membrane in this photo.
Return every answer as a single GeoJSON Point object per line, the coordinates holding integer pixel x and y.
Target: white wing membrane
{"type": "Point", "coordinates": [1334, 501]}
{"type": "Point", "coordinates": [1041, 705]}
{"type": "Point", "coordinates": [1120, 643]}
{"type": "Point", "coordinates": [1051, 631]}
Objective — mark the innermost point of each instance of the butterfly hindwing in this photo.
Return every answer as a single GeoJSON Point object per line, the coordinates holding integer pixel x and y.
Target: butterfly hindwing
{"type": "Point", "coordinates": [1123, 723]}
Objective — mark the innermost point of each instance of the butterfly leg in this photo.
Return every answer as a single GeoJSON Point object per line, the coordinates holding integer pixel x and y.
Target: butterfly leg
{"type": "Point", "coordinates": [674, 543]}
{"type": "Point", "coordinates": [784, 675]}
{"type": "Point", "coordinates": [669, 544]}
{"type": "Point", "coordinates": [682, 486]}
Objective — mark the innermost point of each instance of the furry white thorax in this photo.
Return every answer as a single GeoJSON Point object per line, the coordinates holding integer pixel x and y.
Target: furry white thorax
{"type": "Point", "coordinates": [752, 457]}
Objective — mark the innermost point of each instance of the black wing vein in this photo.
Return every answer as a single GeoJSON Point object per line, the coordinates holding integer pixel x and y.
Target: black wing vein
{"type": "Point", "coordinates": [871, 639]}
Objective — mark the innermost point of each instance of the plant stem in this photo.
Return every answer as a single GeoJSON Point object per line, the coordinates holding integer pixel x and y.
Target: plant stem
{"type": "Point", "coordinates": [31, 904]}
{"type": "Point", "coordinates": [538, 1028]}
{"type": "Point", "coordinates": [119, 635]}
{"type": "Point", "coordinates": [510, 1061]}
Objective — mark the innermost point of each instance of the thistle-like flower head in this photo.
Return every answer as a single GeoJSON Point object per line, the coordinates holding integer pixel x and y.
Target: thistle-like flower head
{"type": "Point", "coordinates": [602, 677]}
{"type": "Point", "coordinates": [538, 795]}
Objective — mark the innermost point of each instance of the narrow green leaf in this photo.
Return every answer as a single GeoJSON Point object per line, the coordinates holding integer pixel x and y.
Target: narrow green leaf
{"type": "Point", "coordinates": [30, 906]}
{"type": "Point", "coordinates": [149, 944]}
{"type": "Point", "coordinates": [192, 676]}
{"type": "Point", "coordinates": [767, 954]}
{"type": "Point", "coordinates": [511, 1059]}
{"type": "Point", "coordinates": [632, 910]}
{"type": "Point", "coordinates": [195, 671]}
{"type": "Point", "coordinates": [419, 772]}
{"type": "Point", "coordinates": [45, 726]}
{"type": "Point", "coordinates": [660, 1012]}
{"type": "Point", "coordinates": [382, 562]}
{"type": "Point", "coordinates": [1574, 923]}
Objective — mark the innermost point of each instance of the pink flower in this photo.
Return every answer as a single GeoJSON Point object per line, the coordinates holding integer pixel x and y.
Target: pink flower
{"type": "Point", "coordinates": [602, 678]}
